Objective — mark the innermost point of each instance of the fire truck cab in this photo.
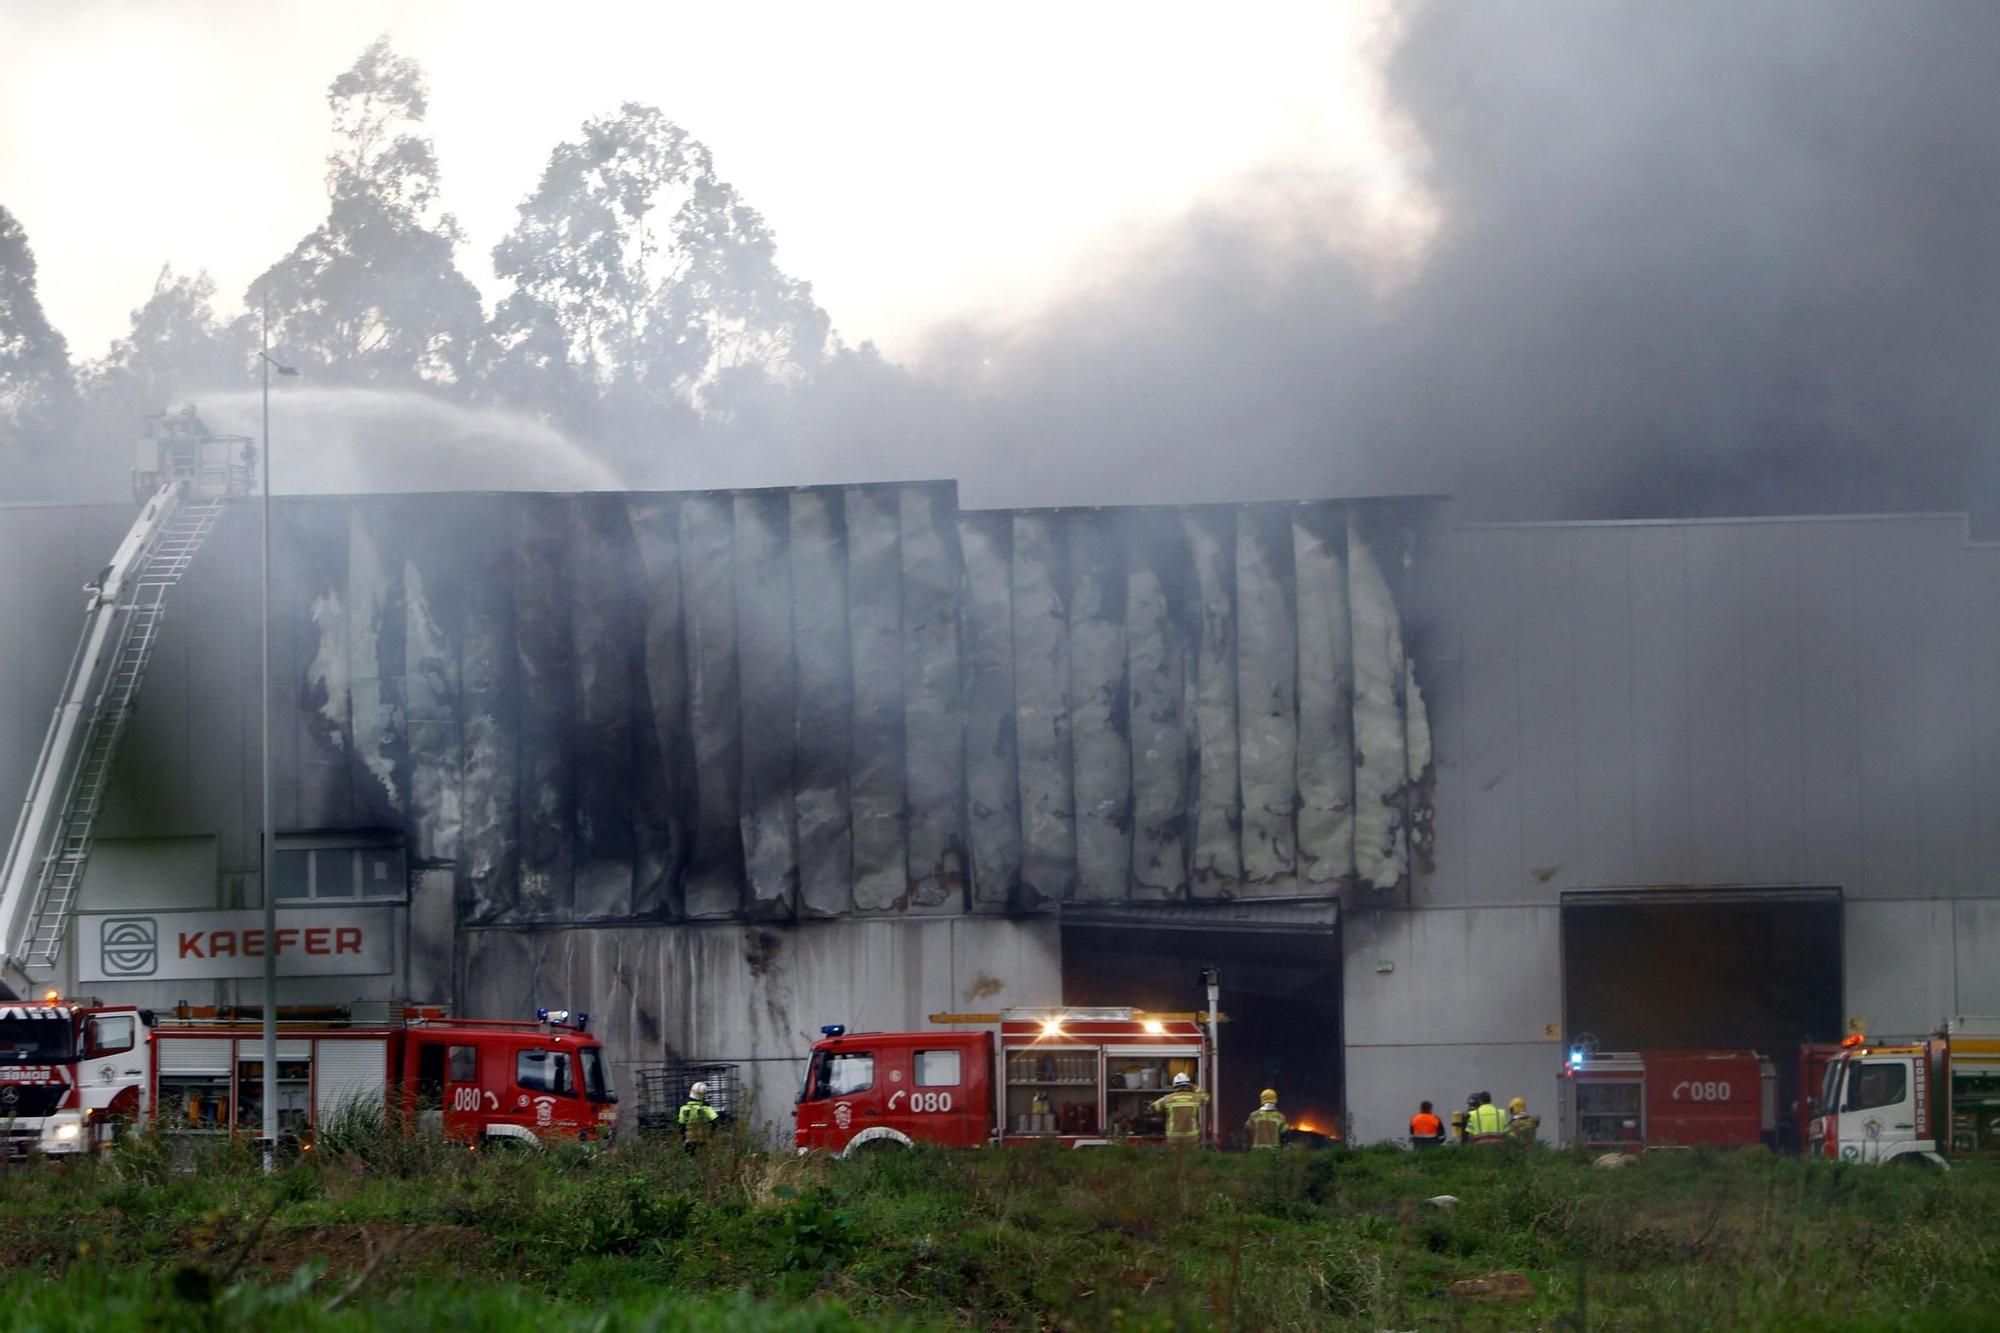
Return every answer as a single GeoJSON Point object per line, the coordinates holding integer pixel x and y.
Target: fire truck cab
{"type": "Point", "coordinates": [1926, 1100]}
{"type": "Point", "coordinates": [74, 1076]}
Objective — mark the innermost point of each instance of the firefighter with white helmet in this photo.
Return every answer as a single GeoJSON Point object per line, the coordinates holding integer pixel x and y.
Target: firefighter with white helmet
{"type": "Point", "coordinates": [1182, 1106]}
{"type": "Point", "coordinates": [697, 1117]}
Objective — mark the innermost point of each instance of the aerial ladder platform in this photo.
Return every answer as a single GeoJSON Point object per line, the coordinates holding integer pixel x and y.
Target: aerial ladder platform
{"type": "Point", "coordinates": [184, 476]}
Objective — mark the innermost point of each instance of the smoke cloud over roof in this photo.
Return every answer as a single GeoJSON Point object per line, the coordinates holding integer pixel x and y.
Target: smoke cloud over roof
{"type": "Point", "coordinates": [1691, 258]}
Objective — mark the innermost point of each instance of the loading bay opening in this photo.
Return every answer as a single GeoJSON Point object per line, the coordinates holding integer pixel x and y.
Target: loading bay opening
{"type": "Point", "coordinates": [1280, 998]}
{"type": "Point", "coordinates": [1734, 969]}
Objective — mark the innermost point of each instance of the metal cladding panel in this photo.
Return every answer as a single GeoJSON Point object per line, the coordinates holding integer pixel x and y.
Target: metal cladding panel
{"type": "Point", "coordinates": [1157, 649]}
{"type": "Point", "coordinates": [546, 663]}
{"type": "Point", "coordinates": [821, 727]}
{"type": "Point", "coordinates": [1901, 975]}
{"type": "Point", "coordinates": [1325, 698]}
{"type": "Point", "coordinates": [1976, 940]}
{"type": "Point", "coordinates": [783, 704]}
{"type": "Point", "coordinates": [765, 657]}
{"type": "Point", "coordinates": [1218, 796]}
{"type": "Point", "coordinates": [348, 1072]}
{"type": "Point", "coordinates": [1100, 754]}
{"type": "Point", "coordinates": [933, 718]}
{"type": "Point", "coordinates": [1267, 721]}
{"type": "Point", "coordinates": [1041, 711]}
{"type": "Point", "coordinates": [708, 584]}
{"type": "Point", "coordinates": [605, 647]}
{"type": "Point", "coordinates": [875, 638]}
{"type": "Point", "coordinates": [1605, 736]}
{"type": "Point", "coordinates": [665, 820]}
{"type": "Point", "coordinates": [993, 797]}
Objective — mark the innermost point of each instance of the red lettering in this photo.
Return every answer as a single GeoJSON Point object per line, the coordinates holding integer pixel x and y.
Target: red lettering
{"type": "Point", "coordinates": [221, 944]}
{"type": "Point", "coordinates": [191, 945]}
{"type": "Point", "coordinates": [347, 939]}
{"type": "Point", "coordinates": [316, 940]}
{"type": "Point", "coordinates": [253, 944]}
{"type": "Point", "coordinates": [288, 938]}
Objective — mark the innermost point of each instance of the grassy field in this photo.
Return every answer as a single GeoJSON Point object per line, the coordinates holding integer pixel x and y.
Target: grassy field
{"type": "Point", "coordinates": [406, 1235]}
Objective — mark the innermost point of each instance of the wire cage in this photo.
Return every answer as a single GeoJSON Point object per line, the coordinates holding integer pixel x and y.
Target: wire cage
{"type": "Point", "coordinates": [663, 1089]}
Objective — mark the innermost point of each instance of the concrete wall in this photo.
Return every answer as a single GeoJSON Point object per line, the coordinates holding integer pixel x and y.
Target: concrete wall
{"type": "Point", "coordinates": [757, 995]}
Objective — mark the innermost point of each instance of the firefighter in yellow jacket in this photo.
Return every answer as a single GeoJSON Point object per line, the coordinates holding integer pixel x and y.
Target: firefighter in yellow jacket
{"type": "Point", "coordinates": [1267, 1124]}
{"type": "Point", "coordinates": [1182, 1107]}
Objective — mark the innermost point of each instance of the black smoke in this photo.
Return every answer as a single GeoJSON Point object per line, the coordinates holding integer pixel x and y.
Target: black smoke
{"type": "Point", "coordinates": [1695, 258]}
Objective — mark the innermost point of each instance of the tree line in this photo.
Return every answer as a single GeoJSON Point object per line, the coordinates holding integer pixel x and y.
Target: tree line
{"type": "Point", "coordinates": [646, 300]}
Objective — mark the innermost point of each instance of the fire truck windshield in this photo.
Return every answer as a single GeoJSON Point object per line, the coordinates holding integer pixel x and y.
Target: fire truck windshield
{"type": "Point", "coordinates": [596, 1084]}
{"type": "Point", "coordinates": [35, 1041]}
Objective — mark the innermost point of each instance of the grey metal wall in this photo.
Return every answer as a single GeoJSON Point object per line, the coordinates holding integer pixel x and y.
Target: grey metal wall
{"type": "Point", "coordinates": [779, 705]}
{"type": "Point", "coordinates": [1807, 701]}
{"type": "Point", "coordinates": [1759, 702]}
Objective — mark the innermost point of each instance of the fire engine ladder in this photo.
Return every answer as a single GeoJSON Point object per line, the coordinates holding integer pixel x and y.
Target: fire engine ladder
{"type": "Point", "coordinates": [52, 841]}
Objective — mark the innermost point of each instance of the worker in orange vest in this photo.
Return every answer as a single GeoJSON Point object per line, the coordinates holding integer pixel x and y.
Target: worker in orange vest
{"type": "Point", "coordinates": [1426, 1130]}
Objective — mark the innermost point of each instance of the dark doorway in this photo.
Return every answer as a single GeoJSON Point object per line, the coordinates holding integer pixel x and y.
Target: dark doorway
{"type": "Point", "coordinates": [1280, 998]}
{"type": "Point", "coordinates": [1724, 970]}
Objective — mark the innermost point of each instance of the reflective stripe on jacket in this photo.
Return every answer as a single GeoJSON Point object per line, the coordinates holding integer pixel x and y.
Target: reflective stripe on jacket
{"type": "Point", "coordinates": [1267, 1126]}
{"type": "Point", "coordinates": [1183, 1112]}
{"type": "Point", "coordinates": [695, 1119]}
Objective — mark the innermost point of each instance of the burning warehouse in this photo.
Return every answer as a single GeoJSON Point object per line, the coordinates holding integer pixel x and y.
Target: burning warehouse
{"type": "Point", "coordinates": [1437, 799]}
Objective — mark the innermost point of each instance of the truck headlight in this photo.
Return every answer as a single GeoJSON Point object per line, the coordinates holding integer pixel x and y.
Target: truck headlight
{"type": "Point", "coordinates": [66, 1133]}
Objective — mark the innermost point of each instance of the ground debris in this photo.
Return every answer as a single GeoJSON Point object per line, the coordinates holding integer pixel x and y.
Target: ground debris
{"type": "Point", "coordinates": [1614, 1159]}
{"type": "Point", "coordinates": [1506, 1285]}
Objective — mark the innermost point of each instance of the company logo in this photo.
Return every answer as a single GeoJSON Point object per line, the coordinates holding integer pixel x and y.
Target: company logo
{"type": "Point", "coordinates": [129, 946]}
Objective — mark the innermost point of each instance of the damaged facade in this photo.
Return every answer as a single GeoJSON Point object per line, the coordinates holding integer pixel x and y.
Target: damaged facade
{"type": "Point", "coordinates": [690, 761]}
{"type": "Point", "coordinates": [720, 768]}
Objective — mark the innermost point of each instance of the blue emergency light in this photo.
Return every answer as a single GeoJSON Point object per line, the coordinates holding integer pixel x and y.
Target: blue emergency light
{"type": "Point", "coordinates": [833, 1030]}
{"type": "Point", "coordinates": [1575, 1057]}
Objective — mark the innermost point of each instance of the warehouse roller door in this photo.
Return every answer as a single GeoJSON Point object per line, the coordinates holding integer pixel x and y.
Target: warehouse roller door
{"type": "Point", "coordinates": [1715, 969]}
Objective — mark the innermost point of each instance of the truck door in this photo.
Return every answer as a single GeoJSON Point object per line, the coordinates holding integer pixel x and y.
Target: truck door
{"type": "Point", "coordinates": [450, 1100]}
{"type": "Point", "coordinates": [842, 1099]}
{"type": "Point", "coordinates": [112, 1074]}
{"type": "Point", "coordinates": [944, 1105]}
{"type": "Point", "coordinates": [1878, 1110]}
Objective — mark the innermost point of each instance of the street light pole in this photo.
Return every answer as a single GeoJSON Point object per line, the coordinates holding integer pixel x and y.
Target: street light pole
{"type": "Point", "coordinates": [270, 862]}
{"type": "Point", "coordinates": [269, 829]}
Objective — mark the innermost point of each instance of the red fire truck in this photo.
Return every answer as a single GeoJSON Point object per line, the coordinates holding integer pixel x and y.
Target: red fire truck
{"type": "Point", "coordinates": [1667, 1099]}
{"type": "Point", "coordinates": [1925, 1100]}
{"type": "Point", "coordinates": [1081, 1077]}
{"type": "Point", "coordinates": [73, 1075]}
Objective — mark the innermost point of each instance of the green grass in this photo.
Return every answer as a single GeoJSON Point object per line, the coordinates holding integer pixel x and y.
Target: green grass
{"type": "Point", "coordinates": [401, 1233]}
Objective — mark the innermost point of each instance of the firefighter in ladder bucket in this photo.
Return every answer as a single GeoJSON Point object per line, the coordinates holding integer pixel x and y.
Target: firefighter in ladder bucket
{"type": "Point", "coordinates": [1182, 1107]}
{"type": "Point", "coordinates": [1267, 1124]}
{"type": "Point", "coordinates": [697, 1118]}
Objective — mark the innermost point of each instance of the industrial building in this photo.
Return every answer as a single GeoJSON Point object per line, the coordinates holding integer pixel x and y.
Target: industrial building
{"type": "Point", "coordinates": [718, 768]}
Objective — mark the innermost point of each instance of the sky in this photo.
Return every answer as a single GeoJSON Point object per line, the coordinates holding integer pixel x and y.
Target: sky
{"type": "Point", "coordinates": [922, 163]}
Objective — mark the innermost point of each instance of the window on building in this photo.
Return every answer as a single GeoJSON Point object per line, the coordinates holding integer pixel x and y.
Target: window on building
{"type": "Point", "coordinates": [539, 1070]}
{"type": "Point", "coordinates": [341, 872]}
{"type": "Point", "coordinates": [937, 1069]}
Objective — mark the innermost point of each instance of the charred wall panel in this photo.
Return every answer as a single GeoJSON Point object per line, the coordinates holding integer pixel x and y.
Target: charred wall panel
{"type": "Point", "coordinates": [825, 703]}
{"type": "Point", "coordinates": [933, 728]}
{"type": "Point", "coordinates": [1041, 711]}
{"type": "Point", "coordinates": [708, 582]}
{"type": "Point", "coordinates": [1157, 647]}
{"type": "Point", "coordinates": [875, 636]}
{"type": "Point", "coordinates": [1100, 754]}
{"type": "Point", "coordinates": [767, 704]}
{"type": "Point", "coordinates": [764, 656]}
{"type": "Point", "coordinates": [993, 800]}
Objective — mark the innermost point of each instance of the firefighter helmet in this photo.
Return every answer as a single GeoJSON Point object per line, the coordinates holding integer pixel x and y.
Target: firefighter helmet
{"type": "Point", "coordinates": [1270, 1096]}
{"type": "Point", "coordinates": [1519, 1106]}
{"type": "Point", "coordinates": [1182, 1080]}
{"type": "Point", "coordinates": [699, 1092]}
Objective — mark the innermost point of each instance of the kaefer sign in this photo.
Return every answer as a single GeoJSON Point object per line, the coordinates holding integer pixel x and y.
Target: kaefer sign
{"type": "Point", "coordinates": [195, 946]}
